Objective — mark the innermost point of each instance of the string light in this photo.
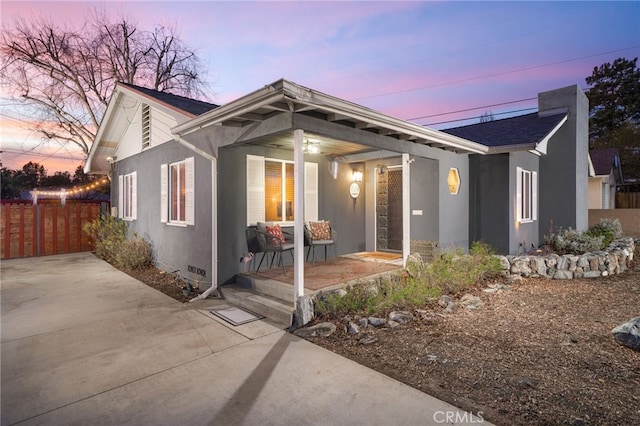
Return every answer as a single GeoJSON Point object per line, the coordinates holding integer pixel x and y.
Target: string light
{"type": "Point", "coordinates": [71, 191]}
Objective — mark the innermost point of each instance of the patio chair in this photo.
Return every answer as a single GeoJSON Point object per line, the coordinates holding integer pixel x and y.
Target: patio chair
{"type": "Point", "coordinates": [271, 239]}
{"type": "Point", "coordinates": [320, 234]}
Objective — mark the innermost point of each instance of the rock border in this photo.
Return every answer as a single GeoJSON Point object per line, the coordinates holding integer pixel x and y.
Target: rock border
{"type": "Point", "coordinates": [615, 259]}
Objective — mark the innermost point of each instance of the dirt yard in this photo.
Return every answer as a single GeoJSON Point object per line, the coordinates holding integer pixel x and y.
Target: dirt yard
{"type": "Point", "coordinates": [540, 353]}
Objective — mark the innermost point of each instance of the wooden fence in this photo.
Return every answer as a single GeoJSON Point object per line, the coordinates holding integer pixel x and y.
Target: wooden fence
{"type": "Point", "coordinates": [39, 230]}
{"type": "Point", "coordinates": [627, 200]}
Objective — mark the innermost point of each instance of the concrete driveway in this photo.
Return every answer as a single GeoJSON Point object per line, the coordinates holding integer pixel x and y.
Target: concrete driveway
{"type": "Point", "coordinates": [83, 343]}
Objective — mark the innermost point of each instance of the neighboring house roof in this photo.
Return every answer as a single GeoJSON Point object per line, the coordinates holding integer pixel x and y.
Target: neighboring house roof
{"type": "Point", "coordinates": [192, 106]}
{"type": "Point", "coordinates": [524, 132]}
{"type": "Point", "coordinates": [605, 160]}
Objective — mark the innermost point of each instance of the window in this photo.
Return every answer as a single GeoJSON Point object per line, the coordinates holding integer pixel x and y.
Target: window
{"type": "Point", "coordinates": [177, 192]}
{"type": "Point", "coordinates": [270, 191]}
{"type": "Point", "coordinates": [526, 195]}
{"type": "Point", "coordinates": [127, 196]}
{"type": "Point", "coordinates": [146, 125]}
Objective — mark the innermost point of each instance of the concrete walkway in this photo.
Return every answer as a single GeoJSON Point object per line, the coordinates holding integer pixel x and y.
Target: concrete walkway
{"type": "Point", "coordinates": [83, 343]}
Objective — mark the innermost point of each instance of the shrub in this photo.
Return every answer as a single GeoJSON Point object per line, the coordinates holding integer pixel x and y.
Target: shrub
{"type": "Point", "coordinates": [110, 242]}
{"type": "Point", "coordinates": [108, 235]}
{"type": "Point", "coordinates": [570, 241]}
{"type": "Point", "coordinates": [609, 229]}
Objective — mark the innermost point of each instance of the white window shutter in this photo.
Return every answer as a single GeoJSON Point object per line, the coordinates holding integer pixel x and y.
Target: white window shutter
{"type": "Point", "coordinates": [120, 196]}
{"type": "Point", "coordinates": [255, 189]}
{"type": "Point", "coordinates": [134, 195]}
{"type": "Point", "coordinates": [164, 193]}
{"type": "Point", "coordinates": [518, 194]}
{"type": "Point", "coordinates": [534, 195]}
{"type": "Point", "coordinates": [189, 171]}
{"type": "Point", "coordinates": [310, 191]}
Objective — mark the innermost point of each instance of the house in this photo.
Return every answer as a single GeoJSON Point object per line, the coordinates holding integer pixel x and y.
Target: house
{"type": "Point", "coordinates": [193, 180]}
{"type": "Point", "coordinates": [605, 172]}
{"type": "Point", "coordinates": [541, 158]}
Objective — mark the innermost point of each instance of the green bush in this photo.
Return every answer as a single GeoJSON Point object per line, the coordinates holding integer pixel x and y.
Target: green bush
{"type": "Point", "coordinates": [570, 241]}
{"type": "Point", "coordinates": [110, 242]}
{"type": "Point", "coordinates": [449, 273]}
{"type": "Point", "coordinates": [609, 229]}
{"type": "Point", "coordinates": [596, 238]}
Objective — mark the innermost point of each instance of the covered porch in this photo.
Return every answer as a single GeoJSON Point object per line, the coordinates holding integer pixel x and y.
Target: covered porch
{"type": "Point", "coordinates": [349, 148]}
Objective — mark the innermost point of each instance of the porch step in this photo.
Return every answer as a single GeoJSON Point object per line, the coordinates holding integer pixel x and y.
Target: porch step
{"type": "Point", "coordinates": [274, 289]}
{"type": "Point", "coordinates": [274, 309]}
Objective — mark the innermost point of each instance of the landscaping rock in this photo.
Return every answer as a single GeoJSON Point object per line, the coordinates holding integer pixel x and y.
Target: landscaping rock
{"type": "Point", "coordinates": [444, 300]}
{"type": "Point", "coordinates": [400, 317]}
{"type": "Point", "coordinates": [324, 329]}
{"type": "Point", "coordinates": [368, 340]}
{"type": "Point", "coordinates": [451, 308]}
{"type": "Point", "coordinates": [377, 322]}
{"type": "Point", "coordinates": [562, 274]}
{"type": "Point", "coordinates": [628, 334]}
{"type": "Point", "coordinates": [364, 323]}
{"type": "Point", "coordinates": [353, 328]}
{"type": "Point", "coordinates": [470, 301]}
{"type": "Point", "coordinates": [304, 311]}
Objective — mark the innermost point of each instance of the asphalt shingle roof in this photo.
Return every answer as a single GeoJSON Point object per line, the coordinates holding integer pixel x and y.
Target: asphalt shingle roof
{"type": "Point", "coordinates": [192, 106]}
{"type": "Point", "coordinates": [603, 160]}
{"type": "Point", "coordinates": [528, 129]}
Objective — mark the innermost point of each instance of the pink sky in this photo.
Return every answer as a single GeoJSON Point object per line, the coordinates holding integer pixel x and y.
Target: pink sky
{"type": "Point", "coordinates": [405, 59]}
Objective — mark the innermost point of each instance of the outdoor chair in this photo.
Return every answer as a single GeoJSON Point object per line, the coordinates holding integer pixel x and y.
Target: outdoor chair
{"type": "Point", "coordinates": [320, 234]}
{"type": "Point", "coordinates": [271, 239]}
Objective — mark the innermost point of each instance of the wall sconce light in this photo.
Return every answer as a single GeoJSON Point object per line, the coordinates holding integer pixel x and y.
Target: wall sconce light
{"type": "Point", "coordinates": [333, 168]}
{"type": "Point", "coordinates": [453, 180]}
{"type": "Point", "coordinates": [357, 175]}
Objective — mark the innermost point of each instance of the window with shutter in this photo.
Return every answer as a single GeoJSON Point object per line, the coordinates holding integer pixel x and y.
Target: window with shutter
{"type": "Point", "coordinates": [270, 190]}
{"type": "Point", "coordinates": [177, 192]}
{"type": "Point", "coordinates": [127, 196]}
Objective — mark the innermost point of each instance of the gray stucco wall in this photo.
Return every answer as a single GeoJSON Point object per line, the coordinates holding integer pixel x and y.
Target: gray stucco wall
{"type": "Point", "coordinates": [334, 204]}
{"type": "Point", "coordinates": [175, 247]}
{"type": "Point", "coordinates": [564, 170]}
{"type": "Point", "coordinates": [490, 208]}
{"type": "Point", "coordinates": [424, 198]}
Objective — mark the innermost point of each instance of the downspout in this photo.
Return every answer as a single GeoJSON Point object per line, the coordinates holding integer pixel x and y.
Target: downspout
{"type": "Point", "coordinates": [214, 216]}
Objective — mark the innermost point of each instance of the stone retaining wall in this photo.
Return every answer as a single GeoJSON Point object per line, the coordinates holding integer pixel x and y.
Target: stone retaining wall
{"type": "Point", "coordinates": [615, 259]}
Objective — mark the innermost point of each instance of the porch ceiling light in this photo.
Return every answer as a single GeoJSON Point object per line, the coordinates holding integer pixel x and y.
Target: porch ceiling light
{"type": "Point", "coordinates": [453, 180]}
{"type": "Point", "coordinates": [357, 175]}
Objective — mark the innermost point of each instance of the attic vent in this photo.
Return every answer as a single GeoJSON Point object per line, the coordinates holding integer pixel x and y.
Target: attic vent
{"type": "Point", "coordinates": [146, 126]}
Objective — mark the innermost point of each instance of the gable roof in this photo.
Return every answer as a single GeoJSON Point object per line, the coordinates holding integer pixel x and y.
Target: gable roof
{"type": "Point", "coordinates": [193, 107]}
{"type": "Point", "coordinates": [604, 159]}
{"type": "Point", "coordinates": [524, 132]}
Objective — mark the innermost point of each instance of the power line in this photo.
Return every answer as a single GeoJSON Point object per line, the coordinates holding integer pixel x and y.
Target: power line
{"type": "Point", "coordinates": [471, 109]}
{"type": "Point", "coordinates": [9, 151]}
{"type": "Point", "coordinates": [465, 80]}
{"type": "Point", "coordinates": [479, 116]}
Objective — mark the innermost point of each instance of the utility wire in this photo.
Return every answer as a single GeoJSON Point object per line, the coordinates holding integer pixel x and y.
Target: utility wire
{"type": "Point", "coordinates": [479, 116]}
{"type": "Point", "coordinates": [465, 80]}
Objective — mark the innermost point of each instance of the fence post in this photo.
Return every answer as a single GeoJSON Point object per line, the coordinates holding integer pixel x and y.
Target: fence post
{"type": "Point", "coordinates": [38, 229]}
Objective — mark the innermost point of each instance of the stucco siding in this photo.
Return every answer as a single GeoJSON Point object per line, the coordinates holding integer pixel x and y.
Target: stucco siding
{"type": "Point", "coordinates": [184, 248]}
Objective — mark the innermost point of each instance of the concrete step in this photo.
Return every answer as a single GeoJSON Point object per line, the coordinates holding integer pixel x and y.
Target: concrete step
{"type": "Point", "coordinates": [268, 287]}
{"type": "Point", "coordinates": [272, 308]}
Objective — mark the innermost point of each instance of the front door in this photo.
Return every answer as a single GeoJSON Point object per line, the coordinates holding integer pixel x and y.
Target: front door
{"type": "Point", "coordinates": [389, 209]}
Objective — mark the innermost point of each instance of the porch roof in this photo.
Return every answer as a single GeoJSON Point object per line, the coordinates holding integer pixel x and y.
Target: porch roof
{"type": "Point", "coordinates": [284, 96]}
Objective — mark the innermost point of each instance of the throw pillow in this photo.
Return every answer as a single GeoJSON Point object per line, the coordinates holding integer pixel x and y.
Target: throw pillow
{"type": "Point", "coordinates": [277, 237]}
{"type": "Point", "coordinates": [320, 230]}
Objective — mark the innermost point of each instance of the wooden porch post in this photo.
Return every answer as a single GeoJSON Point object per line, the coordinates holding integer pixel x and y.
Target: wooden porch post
{"type": "Point", "coordinates": [406, 208]}
{"type": "Point", "coordinates": [298, 223]}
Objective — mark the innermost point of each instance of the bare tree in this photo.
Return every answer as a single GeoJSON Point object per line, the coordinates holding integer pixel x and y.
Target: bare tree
{"type": "Point", "coordinates": [65, 77]}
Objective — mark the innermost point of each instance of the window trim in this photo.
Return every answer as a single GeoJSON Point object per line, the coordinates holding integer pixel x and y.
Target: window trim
{"type": "Point", "coordinates": [166, 194]}
{"type": "Point", "coordinates": [526, 195]}
{"type": "Point", "coordinates": [127, 196]}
